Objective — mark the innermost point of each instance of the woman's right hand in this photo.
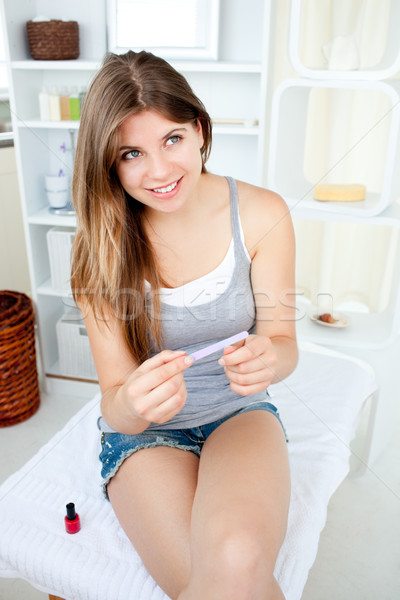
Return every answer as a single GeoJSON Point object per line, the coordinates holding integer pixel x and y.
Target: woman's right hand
{"type": "Point", "coordinates": [156, 391]}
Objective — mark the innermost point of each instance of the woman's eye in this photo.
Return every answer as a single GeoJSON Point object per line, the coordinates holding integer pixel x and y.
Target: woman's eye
{"type": "Point", "coordinates": [173, 140]}
{"type": "Point", "coordinates": [131, 154]}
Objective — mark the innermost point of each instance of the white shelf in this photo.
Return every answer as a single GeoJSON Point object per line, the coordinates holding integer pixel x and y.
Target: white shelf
{"type": "Point", "coordinates": [390, 216]}
{"type": "Point", "coordinates": [386, 66]}
{"type": "Point", "coordinates": [235, 130]}
{"type": "Point", "coordinates": [182, 66]}
{"type": "Point", "coordinates": [54, 371]}
{"type": "Point", "coordinates": [55, 65]}
{"type": "Point", "coordinates": [6, 136]}
{"type": "Point", "coordinates": [290, 120]}
{"type": "Point", "coordinates": [366, 331]}
{"type": "Point", "coordinates": [46, 289]}
{"type": "Point", "coordinates": [38, 124]}
{"type": "Point", "coordinates": [217, 67]}
{"type": "Point", "coordinates": [45, 217]}
{"type": "Point", "coordinates": [217, 129]}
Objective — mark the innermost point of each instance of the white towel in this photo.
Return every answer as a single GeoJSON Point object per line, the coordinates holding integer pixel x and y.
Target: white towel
{"type": "Point", "coordinates": [319, 404]}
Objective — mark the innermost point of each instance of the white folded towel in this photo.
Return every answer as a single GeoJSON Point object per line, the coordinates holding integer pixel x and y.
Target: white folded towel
{"type": "Point", "coordinates": [319, 405]}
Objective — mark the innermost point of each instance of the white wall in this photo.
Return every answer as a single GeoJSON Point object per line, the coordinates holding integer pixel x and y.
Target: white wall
{"type": "Point", "coordinates": [14, 274]}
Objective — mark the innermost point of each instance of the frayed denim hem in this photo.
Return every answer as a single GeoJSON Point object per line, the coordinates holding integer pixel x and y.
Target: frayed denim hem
{"type": "Point", "coordinates": [127, 453]}
{"type": "Point", "coordinates": [116, 447]}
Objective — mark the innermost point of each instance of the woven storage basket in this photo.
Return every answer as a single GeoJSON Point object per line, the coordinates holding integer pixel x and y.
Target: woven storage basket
{"type": "Point", "coordinates": [19, 387]}
{"type": "Point", "coordinates": [53, 40]}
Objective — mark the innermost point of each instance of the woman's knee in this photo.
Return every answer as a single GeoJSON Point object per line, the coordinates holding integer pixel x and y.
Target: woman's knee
{"type": "Point", "coordinates": [238, 551]}
{"type": "Point", "coordinates": [238, 562]}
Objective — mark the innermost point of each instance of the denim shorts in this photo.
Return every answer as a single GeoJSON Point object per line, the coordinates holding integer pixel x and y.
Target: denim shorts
{"type": "Point", "coordinates": [116, 447]}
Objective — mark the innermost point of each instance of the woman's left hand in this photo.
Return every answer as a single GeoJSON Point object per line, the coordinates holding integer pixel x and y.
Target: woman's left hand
{"type": "Point", "coordinates": [250, 367]}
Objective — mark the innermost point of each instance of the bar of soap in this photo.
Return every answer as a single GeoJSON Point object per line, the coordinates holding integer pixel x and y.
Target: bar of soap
{"type": "Point", "coordinates": [336, 192]}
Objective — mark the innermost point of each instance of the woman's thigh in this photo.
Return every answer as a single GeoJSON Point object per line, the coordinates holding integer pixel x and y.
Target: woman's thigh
{"type": "Point", "coordinates": [243, 491]}
{"type": "Point", "coordinates": [152, 495]}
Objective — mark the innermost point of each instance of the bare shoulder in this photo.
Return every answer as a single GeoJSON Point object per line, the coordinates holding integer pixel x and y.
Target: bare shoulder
{"type": "Point", "coordinates": [261, 212]}
{"type": "Point", "coordinates": [258, 200]}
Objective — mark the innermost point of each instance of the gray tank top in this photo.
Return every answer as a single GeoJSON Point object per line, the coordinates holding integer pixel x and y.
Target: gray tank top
{"type": "Point", "coordinates": [189, 328]}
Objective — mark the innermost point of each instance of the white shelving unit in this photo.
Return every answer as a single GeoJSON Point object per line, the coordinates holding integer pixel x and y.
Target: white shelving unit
{"type": "Point", "coordinates": [292, 109]}
{"type": "Point", "coordinates": [232, 87]}
{"type": "Point", "coordinates": [382, 66]}
{"type": "Point", "coordinates": [372, 336]}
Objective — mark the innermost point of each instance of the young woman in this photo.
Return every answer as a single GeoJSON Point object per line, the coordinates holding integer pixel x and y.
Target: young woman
{"type": "Point", "coordinates": [168, 259]}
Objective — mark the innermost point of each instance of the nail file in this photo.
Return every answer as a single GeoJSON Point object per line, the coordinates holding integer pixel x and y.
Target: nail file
{"type": "Point", "coordinates": [219, 345]}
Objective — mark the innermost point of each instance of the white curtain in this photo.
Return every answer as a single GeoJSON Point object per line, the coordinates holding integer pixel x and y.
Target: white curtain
{"type": "Point", "coordinates": [323, 20]}
{"type": "Point", "coordinates": [345, 261]}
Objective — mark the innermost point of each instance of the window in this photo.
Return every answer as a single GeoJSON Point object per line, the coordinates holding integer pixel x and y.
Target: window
{"type": "Point", "coordinates": [173, 29]}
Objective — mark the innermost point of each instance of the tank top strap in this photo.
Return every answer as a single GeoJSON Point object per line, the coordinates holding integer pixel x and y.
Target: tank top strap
{"type": "Point", "coordinates": [235, 220]}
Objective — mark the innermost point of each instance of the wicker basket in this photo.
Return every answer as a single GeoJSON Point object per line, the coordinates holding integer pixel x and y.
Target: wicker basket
{"type": "Point", "coordinates": [53, 40]}
{"type": "Point", "coordinates": [19, 387]}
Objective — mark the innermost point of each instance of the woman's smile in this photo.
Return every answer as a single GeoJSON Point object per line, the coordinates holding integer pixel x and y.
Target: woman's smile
{"type": "Point", "coordinates": [167, 191]}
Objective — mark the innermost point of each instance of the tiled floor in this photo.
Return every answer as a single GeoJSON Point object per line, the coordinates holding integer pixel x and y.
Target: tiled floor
{"type": "Point", "coordinates": [359, 553]}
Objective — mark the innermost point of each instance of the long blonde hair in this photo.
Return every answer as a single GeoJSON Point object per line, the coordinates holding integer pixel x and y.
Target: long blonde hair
{"type": "Point", "coordinates": [112, 255]}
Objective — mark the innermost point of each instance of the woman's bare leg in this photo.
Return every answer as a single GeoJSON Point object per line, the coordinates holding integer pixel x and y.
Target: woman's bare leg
{"type": "Point", "coordinates": [226, 547]}
{"type": "Point", "coordinates": [152, 496]}
{"type": "Point", "coordinates": [240, 511]}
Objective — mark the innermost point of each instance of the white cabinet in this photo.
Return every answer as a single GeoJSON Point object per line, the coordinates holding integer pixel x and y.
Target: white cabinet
{"type": "Point", "coordinates": [233, 88]}
{"type": "Point", "coordinates": [361, 114]}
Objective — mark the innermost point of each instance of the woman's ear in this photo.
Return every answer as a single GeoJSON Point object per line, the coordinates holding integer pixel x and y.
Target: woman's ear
{"type": "Point", "coordinates": [199, 131]}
